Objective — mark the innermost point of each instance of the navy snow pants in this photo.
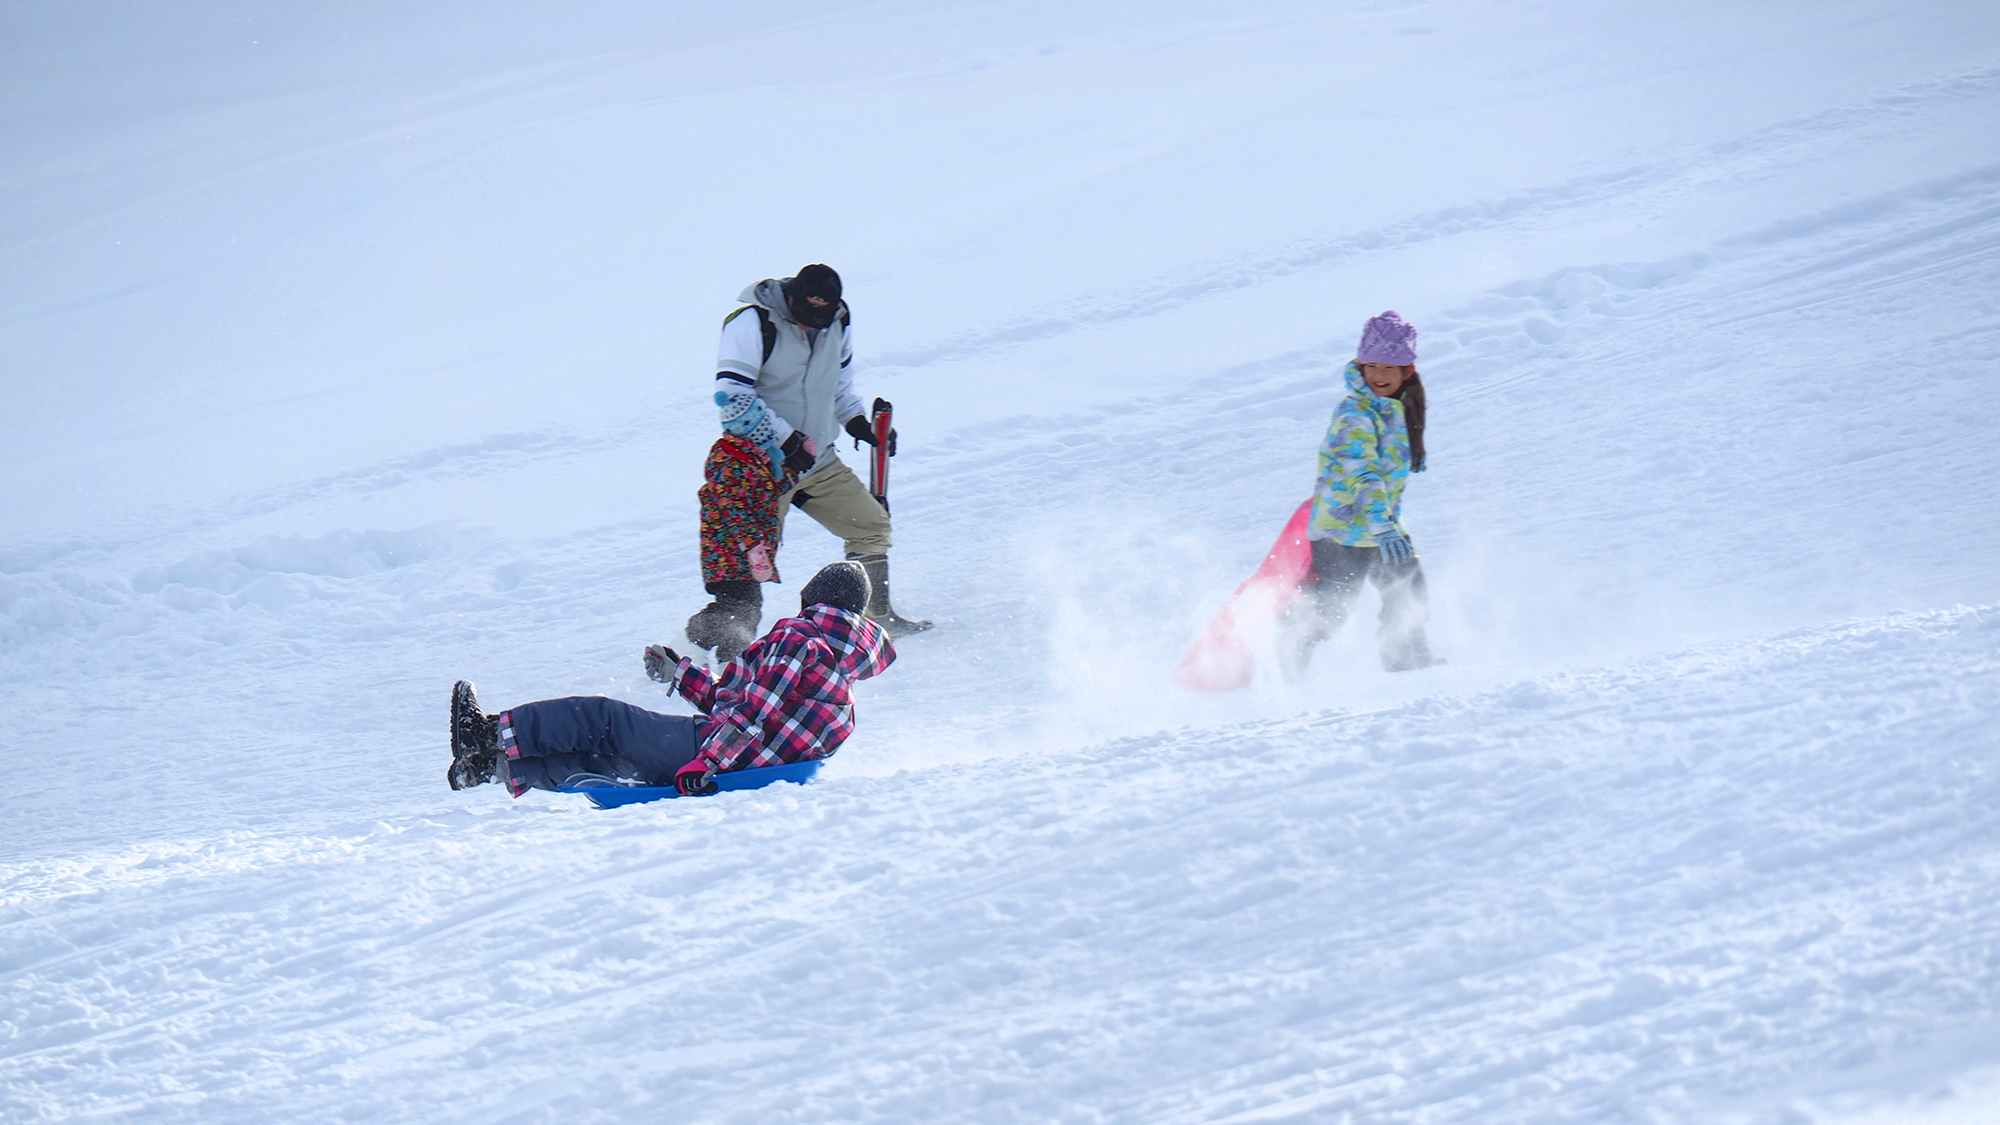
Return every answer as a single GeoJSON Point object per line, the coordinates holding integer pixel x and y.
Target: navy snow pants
{"type": "Point", "coordinates": [561, 741]}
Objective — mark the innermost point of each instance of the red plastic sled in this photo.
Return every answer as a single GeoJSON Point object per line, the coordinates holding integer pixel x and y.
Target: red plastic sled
{"type": "Point", "coordinates": [1225, 658]}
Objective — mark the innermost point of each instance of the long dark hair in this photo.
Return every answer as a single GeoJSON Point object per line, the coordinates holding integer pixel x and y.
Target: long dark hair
{"type": "Point", "coordinates": [1411, 395]}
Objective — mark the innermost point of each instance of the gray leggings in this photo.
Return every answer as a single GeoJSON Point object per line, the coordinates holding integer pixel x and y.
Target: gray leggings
{"type": "Point", "coordinates": [1338, 572]}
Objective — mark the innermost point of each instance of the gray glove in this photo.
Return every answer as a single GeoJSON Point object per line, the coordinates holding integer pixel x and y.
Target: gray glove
{"type": "Point", "coordinates": [1396, 548]}
{"type": "Point", "coordinates": [663, 664]}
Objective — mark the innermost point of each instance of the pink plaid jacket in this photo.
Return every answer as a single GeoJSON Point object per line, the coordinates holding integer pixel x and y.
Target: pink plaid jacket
{"type": "Point", "coordinates": [788, 698]}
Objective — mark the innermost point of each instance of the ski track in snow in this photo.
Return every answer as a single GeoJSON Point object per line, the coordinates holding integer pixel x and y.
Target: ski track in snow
{"type": "Point", "coordinates": [1635, 190]}
{"type": "Point", "coordinates": [1661, 844]}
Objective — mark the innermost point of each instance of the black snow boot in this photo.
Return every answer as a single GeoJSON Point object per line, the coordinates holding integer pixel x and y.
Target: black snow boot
{"type": "Point", "coordinates": [879, 610]}
{"type": "Point", "coordinates": [728, 624]}
{"type": "Point", "coordinates": [475, 740]}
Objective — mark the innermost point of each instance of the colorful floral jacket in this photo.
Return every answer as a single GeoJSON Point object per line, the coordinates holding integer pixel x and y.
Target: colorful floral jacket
{"type": "Point", "coordinates": [788, 697]}
{"type": "Point", "coordinates": [1358, 497]}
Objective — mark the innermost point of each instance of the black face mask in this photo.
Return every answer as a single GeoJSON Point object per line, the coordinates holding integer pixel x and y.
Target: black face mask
{"type": "Point", "coordinates": [813, 316]}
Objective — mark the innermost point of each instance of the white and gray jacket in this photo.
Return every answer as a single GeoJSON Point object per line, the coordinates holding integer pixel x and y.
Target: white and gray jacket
{"type": "Point", "coordinates": [806, 385]}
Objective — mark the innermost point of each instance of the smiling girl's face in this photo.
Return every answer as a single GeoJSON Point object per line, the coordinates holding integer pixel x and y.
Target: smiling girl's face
{"type": "Point", "coordinates": [1384, 379]}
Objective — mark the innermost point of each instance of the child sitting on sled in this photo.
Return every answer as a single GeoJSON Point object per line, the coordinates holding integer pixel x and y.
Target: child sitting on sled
{"type": "Point", "coordinates": [788, 697]}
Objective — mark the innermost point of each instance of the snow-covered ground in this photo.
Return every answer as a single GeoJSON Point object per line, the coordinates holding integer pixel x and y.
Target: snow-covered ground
{"type": "Point", "coordinates": [346, 351]}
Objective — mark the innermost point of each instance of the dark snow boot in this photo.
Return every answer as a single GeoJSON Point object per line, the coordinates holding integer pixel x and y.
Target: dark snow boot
{"type": "Point", "coordinates": [879, 610]}
{"type": "Point", "coordinates": [728, 624]}
{"type": "Point", "coordinates": [475, 740]}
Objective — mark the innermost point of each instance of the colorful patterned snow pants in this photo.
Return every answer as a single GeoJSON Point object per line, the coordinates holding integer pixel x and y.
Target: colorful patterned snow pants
{"type": "Point", "coordinates": [740, 521]}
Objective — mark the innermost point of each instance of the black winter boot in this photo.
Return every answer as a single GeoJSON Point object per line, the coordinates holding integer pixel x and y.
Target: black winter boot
{"type": "Point", "coordinates": [728, 624]}
{"type": "Point", "coordinates": [475, 740]}
{"type": "Point", "coordinates": [879, 610]}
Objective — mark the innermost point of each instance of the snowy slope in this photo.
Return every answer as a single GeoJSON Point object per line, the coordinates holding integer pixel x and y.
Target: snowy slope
{"type": "Point", "coordinates": [346, 352]}
{"type": "Point", "coordinates": [1725, 880]}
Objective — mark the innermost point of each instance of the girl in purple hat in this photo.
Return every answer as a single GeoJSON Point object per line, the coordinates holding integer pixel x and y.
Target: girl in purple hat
{"type": "Point", "coordinates": [1376, 440]}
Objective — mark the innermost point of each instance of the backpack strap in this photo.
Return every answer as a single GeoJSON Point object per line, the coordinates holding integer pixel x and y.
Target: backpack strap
{"type": "Point", "coordinates": [770, 331]}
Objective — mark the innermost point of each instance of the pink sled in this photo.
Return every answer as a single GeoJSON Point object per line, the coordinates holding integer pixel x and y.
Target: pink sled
{"type": "Point", "coordinates": [1225, 658]}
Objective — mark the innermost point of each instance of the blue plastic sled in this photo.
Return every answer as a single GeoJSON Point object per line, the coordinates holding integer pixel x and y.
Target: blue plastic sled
{"type": "Point", "coordinates": [610, 795]}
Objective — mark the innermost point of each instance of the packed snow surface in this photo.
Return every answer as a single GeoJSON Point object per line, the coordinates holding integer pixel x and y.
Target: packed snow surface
{"type": "Point", "coordinates": [349, 350]}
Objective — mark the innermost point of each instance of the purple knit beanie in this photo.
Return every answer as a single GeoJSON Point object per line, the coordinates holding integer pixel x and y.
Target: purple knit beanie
{"type": "Point", "coordinates": [1386, 339]}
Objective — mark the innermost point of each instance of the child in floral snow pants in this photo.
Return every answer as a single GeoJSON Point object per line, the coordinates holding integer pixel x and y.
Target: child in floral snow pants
{"type": "Point", "coordinates": [739, 514]}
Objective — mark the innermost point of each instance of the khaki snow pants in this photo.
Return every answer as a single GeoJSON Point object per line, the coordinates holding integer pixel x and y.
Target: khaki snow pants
{"type": "Point", "coordinates": [837, 500]}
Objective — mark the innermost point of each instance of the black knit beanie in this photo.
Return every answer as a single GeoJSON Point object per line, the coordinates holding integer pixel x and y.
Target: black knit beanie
{"type": "Point", "coordinates": [841, 584]}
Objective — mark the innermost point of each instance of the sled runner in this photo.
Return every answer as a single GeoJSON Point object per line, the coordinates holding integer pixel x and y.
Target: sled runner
{"type": "Point", "coordinates": [609, 794]}
{"type": "Point", "coordinates": [1225, 658]}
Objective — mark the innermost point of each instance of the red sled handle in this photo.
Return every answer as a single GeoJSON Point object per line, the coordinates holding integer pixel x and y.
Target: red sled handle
{"type": "Point", "coordinates": [878, 461]}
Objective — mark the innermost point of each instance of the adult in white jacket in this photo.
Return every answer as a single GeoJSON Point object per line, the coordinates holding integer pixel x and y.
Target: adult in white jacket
{"type": "Point", "coordinates": [784, 381]}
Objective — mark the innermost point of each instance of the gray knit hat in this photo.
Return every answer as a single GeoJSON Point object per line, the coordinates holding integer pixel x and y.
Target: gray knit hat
{"type": "Point", "coordinates": [842, 584]}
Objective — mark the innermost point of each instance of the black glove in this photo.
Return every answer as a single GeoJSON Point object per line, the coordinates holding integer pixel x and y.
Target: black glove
{"type": "Point", "coordinates": [863, 430]}
{"type": "Point", "coordinates": [797, 460]}
{"type": "Point", "coordinates": [663, 664]}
